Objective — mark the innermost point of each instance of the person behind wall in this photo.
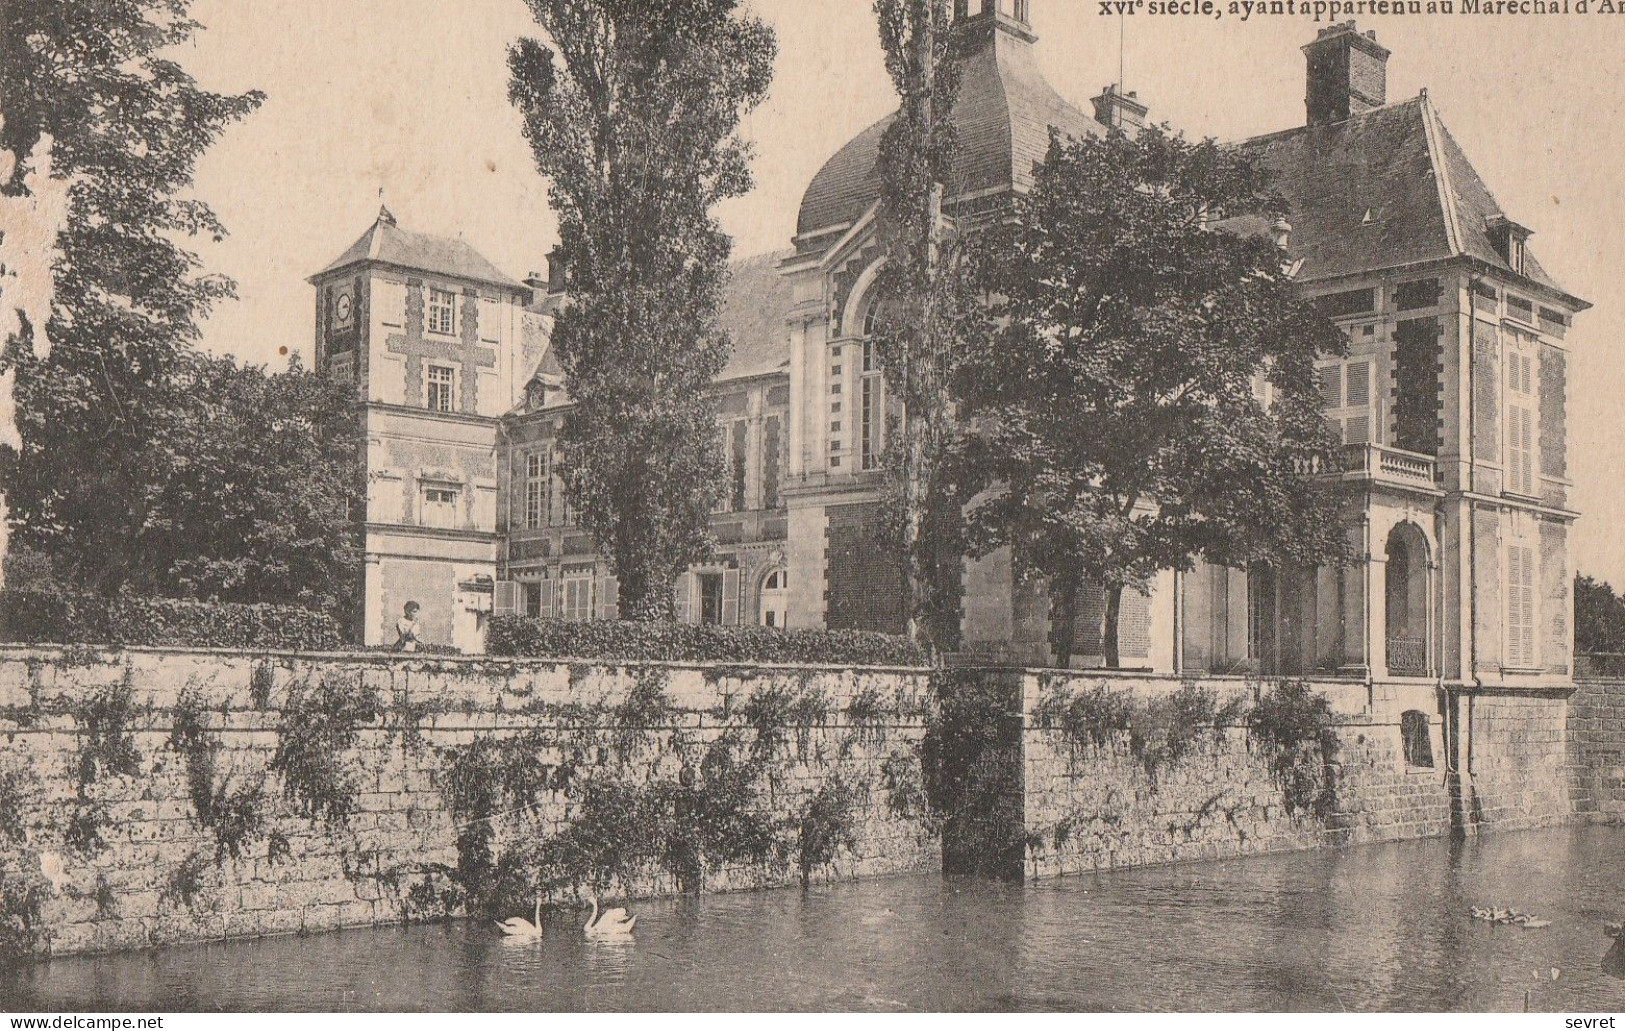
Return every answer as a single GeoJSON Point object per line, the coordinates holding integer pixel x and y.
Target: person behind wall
{"type": "Point", "coordinates": [406, 630]}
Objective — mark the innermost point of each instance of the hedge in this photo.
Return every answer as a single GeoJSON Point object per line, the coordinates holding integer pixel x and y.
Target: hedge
{"type": "Point", "coordinates": [63, 618]}
{"type": "Point", "coordinates": [618, 640]}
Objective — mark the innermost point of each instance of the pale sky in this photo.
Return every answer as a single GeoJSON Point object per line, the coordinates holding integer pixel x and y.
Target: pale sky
{"type": "Point", "coordinates": [411, 96]}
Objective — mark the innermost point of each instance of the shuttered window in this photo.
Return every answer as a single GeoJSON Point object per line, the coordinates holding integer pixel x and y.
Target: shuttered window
{"type": "Point", "coordinates": [1520, 422]}
{"type": "Point", "coordinates": [578, 596]}
{"type": "Point", "coordinates": [1345, 397]}
{"type": "Point", "coordinates": [1520, 606]}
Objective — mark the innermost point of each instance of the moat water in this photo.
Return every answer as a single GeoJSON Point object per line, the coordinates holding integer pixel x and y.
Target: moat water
{"type": "Point", "coordinates": [1383, 927]}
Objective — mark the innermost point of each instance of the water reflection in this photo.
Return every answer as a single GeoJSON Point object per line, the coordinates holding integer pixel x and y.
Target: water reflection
{"type": "Point", "coordinates": [1376, 928]}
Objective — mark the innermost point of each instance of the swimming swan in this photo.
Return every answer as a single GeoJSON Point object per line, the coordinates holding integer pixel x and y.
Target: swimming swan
{"type": "Point", "coordinates": [520, 929]}
{"type": "Point", "coordinates": [614, 923]}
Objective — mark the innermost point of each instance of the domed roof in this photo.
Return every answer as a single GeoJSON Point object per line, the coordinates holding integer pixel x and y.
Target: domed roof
{"type": "Point", "coordinates": [1002, 116]}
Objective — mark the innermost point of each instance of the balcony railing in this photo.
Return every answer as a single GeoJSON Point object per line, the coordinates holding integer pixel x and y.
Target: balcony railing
{"type": "Point", "coordinates": [1408, 656]}
{"type": "Point", "coordinates": [1385, 465]}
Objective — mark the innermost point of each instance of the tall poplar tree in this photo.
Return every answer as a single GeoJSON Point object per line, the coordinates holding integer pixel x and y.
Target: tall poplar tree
{"type": "Point", "coordinates": [632, 109]}
{"type": "Point", "coordinates": [924, 312]}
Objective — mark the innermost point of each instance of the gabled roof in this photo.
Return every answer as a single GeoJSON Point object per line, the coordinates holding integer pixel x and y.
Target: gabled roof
{"type": "Point", "coordinates": [387, 243]}
{"type": "Point", "coordinates": [1001, 116]}
{"type": "Point", "coordinates": [1383, 189]}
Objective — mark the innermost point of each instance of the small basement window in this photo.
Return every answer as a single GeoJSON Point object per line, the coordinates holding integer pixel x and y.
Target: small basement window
{"type": "Point", "coordinates": [1413, 730]}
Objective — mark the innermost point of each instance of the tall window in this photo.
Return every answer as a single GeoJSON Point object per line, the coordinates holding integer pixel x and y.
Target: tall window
{"type": "Point", "coordinates": [578, 595]}
{"type": "Point", "coordinates": [442, 311]}
{"type": "Point", "coordinates": [558, 509]}
{"type": "Point", "coordinates": [442, 380]}
{"type": "Point", "coordinates": [1345, 397]}
{"type": "Point", "coordinates": [535, 490]}
{"type": "Point", "coordinates": [770, 462]}
{"type": "Point", "coordinates": [737, 465]}
{"type": "Point", "coordinates": [1520, 421]}
{"type": "Point", "coordinates": [710, 597]}
{"type": "Point", "coordinates": [440, 506]}
{"type": "Point", "coordinates": [873, 413]}
{"type": "Point", "coordinates": [1520, 605]}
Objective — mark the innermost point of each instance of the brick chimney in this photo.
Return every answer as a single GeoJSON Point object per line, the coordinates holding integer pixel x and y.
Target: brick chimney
{"type": "Point", "coordinates": [1348, 74]}
{"type": "Point", "coordinates": [1117, 110]}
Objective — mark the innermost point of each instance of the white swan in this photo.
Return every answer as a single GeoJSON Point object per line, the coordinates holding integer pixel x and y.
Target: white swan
{"type": "Point", "coordinates": [519, 929]}
{"type": "Point", "coordinates": [614, 923]}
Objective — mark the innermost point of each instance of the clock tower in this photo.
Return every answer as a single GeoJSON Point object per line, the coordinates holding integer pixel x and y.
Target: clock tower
{"type": "Point", "coordinates": [430, 338]}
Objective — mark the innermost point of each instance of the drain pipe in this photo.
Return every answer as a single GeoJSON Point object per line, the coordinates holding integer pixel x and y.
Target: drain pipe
{"type": "Point", "coordinates": [1465, 769]}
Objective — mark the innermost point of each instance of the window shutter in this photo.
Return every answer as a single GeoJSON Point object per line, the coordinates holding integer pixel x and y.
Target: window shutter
{"type": "Point", "coordinates": [685, 596]}
{"type": "Point", "coordinates": [1359, 385]}
{"type": "Point", "coordinates": [1331, 386]}
{"type": "Point", "coordinates": [507, 599]}
{"type": "Point", "coordinates": [609, 589]}
{"type": "Point", "coordinates": [730, 597]}
{"type": "Point", "coordinates": [549, 595]}
{"type": "Point", "coordinates": [1357, 429]}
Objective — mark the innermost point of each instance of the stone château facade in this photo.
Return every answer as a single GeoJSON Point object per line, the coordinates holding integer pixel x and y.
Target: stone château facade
{"type": "Point", "coordinates": [1451, 406]}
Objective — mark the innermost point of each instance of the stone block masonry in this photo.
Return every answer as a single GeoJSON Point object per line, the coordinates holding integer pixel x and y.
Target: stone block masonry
{"type": "Point", "coordinates": [1093, 771]}
{"type": "Point", "coordinates": [150, 797]}
{"type": "Point", "coordinates": [1597, 749]}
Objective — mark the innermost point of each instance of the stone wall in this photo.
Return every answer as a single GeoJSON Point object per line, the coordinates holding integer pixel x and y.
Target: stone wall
{"type": "Point", "coordinates": [1597, 749]}
{"type": "Point", "coordinates": [1118, 786]}
{"type": "Point", "coordinates": [155, 796]}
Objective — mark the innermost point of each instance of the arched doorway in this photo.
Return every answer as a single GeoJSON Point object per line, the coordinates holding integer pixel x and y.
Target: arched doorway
{"type": "Point", "coordinates": [775, 607]}
{"type": "Point", "coordinates": [1405, 602]}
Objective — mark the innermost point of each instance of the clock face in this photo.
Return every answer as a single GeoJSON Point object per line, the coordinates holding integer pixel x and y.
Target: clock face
{"type": "Point", "coordinates": [343, 307]}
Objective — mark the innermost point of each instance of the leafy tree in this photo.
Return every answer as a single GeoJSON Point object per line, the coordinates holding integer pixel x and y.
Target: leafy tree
{"type": "Point", "coordinates": [128, 125]}
{"type": "Point", "coordinates": [925, 312]}
{"type": "Point", "coordinates": [257, 503]}
{"type": "Point", "coordinates": [1599, 617]}
{"type": "Point", "coordinates": [1149, 394]}
{"type": "Point", "coordinates": [632, 108]}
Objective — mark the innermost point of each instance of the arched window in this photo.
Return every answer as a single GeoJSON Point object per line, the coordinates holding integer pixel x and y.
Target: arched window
{"type": "Point", "coordinates": [775, 606]}
{"type": "Point", "coordinates": [1413, 732]}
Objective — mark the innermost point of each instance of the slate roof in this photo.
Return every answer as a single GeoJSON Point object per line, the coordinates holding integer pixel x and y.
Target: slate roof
{"type": "Point", "coordinates": [1002, 117]}
{"type": "Point", "coordinates": [755, 312]}
{"type": "Point", "coordinates": [1383, 189]}
{"type": "Point", "coordinates": [387, 243]}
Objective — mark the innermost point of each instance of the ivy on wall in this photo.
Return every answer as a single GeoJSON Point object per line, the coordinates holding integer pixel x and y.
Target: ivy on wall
{"type": "Point", "coordinates": [1290, 726]}
{"type": "Point", "coordinates": [652, 798]}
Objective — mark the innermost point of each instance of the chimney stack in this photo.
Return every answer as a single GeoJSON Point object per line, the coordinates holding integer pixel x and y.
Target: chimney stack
{"type": "Point", "coordinates": [1117, 110]}
{"type": "Point", "coordinates": [1347, 75]}
{"type": "Point", "coordinates": [555, 271]}
{"type": "Point", "coordinates": [1006, 12]}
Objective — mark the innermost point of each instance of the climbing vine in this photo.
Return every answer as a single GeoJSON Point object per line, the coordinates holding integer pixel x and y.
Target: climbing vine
{"type": "Point", "coordinates": [1160, 733]}
{"type": "Point", "coordinates": [648, 800]}
{"type": "Point", "coordinates": [1293, 726]}
{"type": "Point", "coordinates": [319, 727]}
{"type": "Point", "coordinates": [233, 811]}
{"type": "Point", "coordinates": [106, 749]}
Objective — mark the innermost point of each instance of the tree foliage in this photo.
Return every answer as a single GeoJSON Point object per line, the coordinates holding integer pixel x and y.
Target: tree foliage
{"type": "Point", "coordinates": [1149, 393]}
{"type": "Point", "coordinates": [632, 109]}
{"type": "Point", "coordinates": [128, 125]}
{"type": "Point", "coordinates": [256, 505]}
{"type": "Point", "coordinates": [926, 315]}
{"type": "Point", "coordinates": [1599, 617]}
